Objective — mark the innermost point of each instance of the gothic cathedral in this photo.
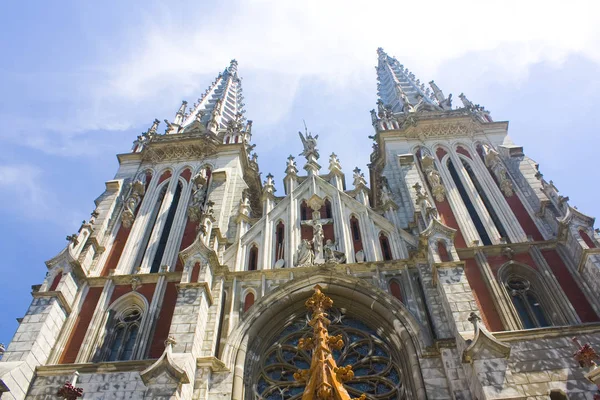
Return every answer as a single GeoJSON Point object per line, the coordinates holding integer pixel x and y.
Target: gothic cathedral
{"type": "Point", "coordinates": [458, 272]}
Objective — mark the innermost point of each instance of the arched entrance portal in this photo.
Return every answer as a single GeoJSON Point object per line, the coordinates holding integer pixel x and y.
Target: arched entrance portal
{"type": "Point", "coordinates": [381, 326]}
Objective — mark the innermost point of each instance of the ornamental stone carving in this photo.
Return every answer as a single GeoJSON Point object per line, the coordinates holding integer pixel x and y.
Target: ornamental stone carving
{"type": "Point", "coordinates": [494, 163]}
{"type": "Point", "coordinates": [434, 178]}
{"type": "Point", "coordinates": [304, 256]}
{"type": "Point", "coordinates": [138, 189]}
{"type": "Point", "coordinates": [196, 207]}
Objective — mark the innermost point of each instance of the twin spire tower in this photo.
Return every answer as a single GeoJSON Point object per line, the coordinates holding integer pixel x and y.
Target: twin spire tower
{"type": "Point", "coordinates": [459, 272]}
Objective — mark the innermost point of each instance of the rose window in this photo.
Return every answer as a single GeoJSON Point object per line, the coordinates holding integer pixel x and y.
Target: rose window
{"type": "Point", "coordinates": [376, 374]}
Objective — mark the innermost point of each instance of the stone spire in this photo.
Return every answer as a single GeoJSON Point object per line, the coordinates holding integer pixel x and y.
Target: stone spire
{"type": "Point", "coordinates": [397, 87]}
{"type": "Point", "coordinates": [221, 103]}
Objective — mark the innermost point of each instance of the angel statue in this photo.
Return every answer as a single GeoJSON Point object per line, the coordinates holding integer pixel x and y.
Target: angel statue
{"type": "Point", "coordinates": [310, 144]}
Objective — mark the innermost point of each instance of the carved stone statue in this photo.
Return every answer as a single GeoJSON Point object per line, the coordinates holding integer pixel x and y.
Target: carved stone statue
{"type": "Point", "coordinates": [304, 255]}
{"type": "Point", "coordinates": [494, 163]}
{"type": "Point", "coordinates": [138, 189]}
{"type": "Point", "coordinates": [198, 197]}
{"type": "Point", "coordinates": [318, 238]}
{"type": "Point", "coordinates": [332, 255]}
{"type": "Point", "coordinates": [310, 145]}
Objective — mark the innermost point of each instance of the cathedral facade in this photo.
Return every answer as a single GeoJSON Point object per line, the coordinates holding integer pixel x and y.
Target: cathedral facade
{"type": "Point", "coordinates": [458, 272]}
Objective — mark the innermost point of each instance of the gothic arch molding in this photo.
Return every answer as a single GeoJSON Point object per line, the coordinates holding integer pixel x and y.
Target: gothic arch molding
{"type": "Point", "coordinates": [374, 307]}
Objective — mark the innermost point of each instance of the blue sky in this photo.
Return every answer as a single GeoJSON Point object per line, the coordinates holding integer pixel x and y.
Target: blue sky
{"type": "Point", "coordinates": [80, 80]}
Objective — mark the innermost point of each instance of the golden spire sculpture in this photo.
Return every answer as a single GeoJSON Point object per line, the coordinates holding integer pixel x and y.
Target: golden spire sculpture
{"type": "Point", "coordinates": [324, 380]}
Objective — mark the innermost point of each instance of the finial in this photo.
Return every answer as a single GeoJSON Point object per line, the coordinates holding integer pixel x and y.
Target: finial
{"type": "Point", "coordinates": [325, 377]}
{"type": "Point", "coordinates": [72, 239]}
{"type": "Point", "coordinates": [291, 166]}
{"type": "Point", "coordinates": [334, 163]}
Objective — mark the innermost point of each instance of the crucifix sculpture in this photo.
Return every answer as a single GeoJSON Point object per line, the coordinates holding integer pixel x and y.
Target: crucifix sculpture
{"type": "Point", "coordinates": [317, 223]}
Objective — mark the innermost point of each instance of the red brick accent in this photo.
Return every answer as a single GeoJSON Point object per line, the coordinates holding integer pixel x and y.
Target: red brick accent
{"type": "Point", "coordinates": [590, 243]}
{"type": "Point", "coordinates": [81, 325]}
{"type": "Point", "coordinates": [146, 290]}
{"type": "Point", "coordinates": [187, 174]}
{"type": "Point", "coordinates": [195, 272]}
{"type": "Point", "coordinates": [442, 251]}
{"type": "Point", "coordinates": [523, 217]}
{"type": "Point", "coordinates": [440, 153]}
{"type": "Point", "coordinates": [189, 235]}
{"type": "Point", "coordinates": [447, 217]}
{"type": "Point", "coordinates": [166, 175]}
{"type": "Point", "coordinates": [497, 261]}
{"type": "Point", "coordinates": [248, 301]}
{"type": "Point", "coordinates": [116, 250]}
{"type": "Point", "coordinates": [483, 297]}
{"type": "Point", "coordinates": [570, 287]}
{"type": "Point", "coordinates": [395, 289]}
{"type": "Point", "coordinates": [56, 281]}
{"type": "Point", "coordinates": [463, 151]}
{"type": "Point", "coordinates": [163, 324]}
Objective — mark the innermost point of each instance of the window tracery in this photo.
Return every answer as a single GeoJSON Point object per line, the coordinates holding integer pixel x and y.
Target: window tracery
{"type": "Point", "coordinates": [376, 373]}
{"type": "Point", "coordinates": [526, 302]}
{"type": "Point", "coordinates": [122, 334]}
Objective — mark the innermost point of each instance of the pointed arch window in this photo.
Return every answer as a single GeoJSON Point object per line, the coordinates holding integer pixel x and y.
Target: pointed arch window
{"type": "Point", "coordinates": [443, 251]}
{"type": "Point", "coordinates": [386, 250]}
{"type": "Point", "coordinates": [326, 211]}
{"type": "Point", "coordinates": [356, 236]}
{"type": "Point", "coordinates": [164, 237]}
{"type": "Point", "coordinates": [526, 302]}
{"type": "Point", "coordinates": [279, 241]}
{"type": "Point", "coordinates": [122, 333]}
{"type": "Point", "coordinates": [227, 139]}
{"type": "Point", "coordinates": [304, 211]}
{"type": "Point", "coordinates": [486, 201]}
{"type": "Point", "coordinates": [151, 222]}
{"type": "Point", "coordinates": [485, 239]}
{"type": "Point", "coordinates": [253, 258]}
{"type": "Point", "coordinates": [248, 301]}
{"type": "Point", "coordinates": [395, 289]}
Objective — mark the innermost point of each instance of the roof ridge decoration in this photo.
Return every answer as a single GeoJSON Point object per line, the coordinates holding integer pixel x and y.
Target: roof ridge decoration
{"type": "Point", "coordinates": [324, 379]}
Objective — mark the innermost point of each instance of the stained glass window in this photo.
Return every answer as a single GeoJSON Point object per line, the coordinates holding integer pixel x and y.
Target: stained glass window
{"type": "Point", "coordinates": [376, 373]}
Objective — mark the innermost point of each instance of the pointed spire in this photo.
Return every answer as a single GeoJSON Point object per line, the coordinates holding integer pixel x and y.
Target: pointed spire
{"type": "Point", "coordinates": [397, 87]}
{"type": "Point", "coordinates": [221, 103]}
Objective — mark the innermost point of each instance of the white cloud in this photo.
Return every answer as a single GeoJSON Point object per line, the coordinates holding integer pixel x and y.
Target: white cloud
{"type": "Point", "coordinates": [167, 54]}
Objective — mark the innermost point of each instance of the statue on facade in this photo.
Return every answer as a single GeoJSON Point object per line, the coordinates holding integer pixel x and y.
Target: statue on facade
{"type": "Point", "coordinates": [304, 255]}
{"type": "Point", "coordinates": [318, 237]}
{"type": "Point", "coordinates": [332, 255]}
{"type": "Point", "coordinates": [309, 143]}
{"type": "Point", "coordinates": [138, 189]}
{"type": "Point", "coordinates": [198, 197]}
{"type": "Point", "coordinates": [494, 163]}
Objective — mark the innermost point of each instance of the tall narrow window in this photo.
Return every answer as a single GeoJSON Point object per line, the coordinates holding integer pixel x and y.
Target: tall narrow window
{"type": "Point", "coordinates": [122, 335]}
{"type": "Point", "coordinates": [588, 241]}
{"type": "Point", "coordinates": [304, 213]}
{"type": "Point", "coordinates": [356, 237]}
{"type": "Point", "coordinates": [151, 222]}
{"type": "Point", "coordinates": [485, 239]}
{"type": "Point", "coordinates": [227, 139]}
{"type": "Point", "coordinates": [164, 237]}
{"type": "Point", "coordinates": [279, 241]}
{"type": "Point", "coordinates": [248, 301]}
{"type": "Point", "coordinates": [526, 303]}
{"type": "Point", "coordinates": [326, 210]}
{"type": "Point", "coordinates": [486, 201]}
{"type": "Point", "coordinates": [443, 252]}
{"type": "Point", "coordinates": [395, 289]}
{"type": "Point", "coordinates": [253, 258]}
{"type": "Point", "coordinates": [386, 250]}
